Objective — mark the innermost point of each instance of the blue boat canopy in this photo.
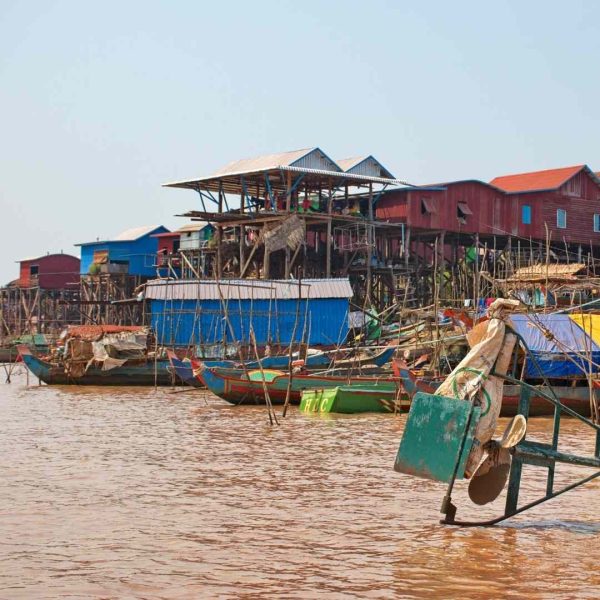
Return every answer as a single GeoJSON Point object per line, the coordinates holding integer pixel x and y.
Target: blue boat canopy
{"type": "Point", "coordinates": [560, 346]}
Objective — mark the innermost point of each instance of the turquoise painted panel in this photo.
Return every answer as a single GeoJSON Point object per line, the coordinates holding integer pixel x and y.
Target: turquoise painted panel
{"type": "Point", "coordinates": [433, 435]}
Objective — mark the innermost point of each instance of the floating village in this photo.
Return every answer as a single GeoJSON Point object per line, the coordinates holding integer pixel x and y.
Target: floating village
{"type": "Point", "coordinates": [332, 285]}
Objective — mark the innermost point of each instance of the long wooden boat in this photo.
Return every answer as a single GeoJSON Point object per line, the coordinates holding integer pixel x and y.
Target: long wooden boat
{"type": "Point", "coordinates": [248, 387]}
{"type": "Point", "coordinates": [134, 374]}
{"type": "Point", "coordinates": [576, 398]}
{"type": "Point", "coordinates": [185, 370]}
{"type": "Point", "coordinates": [238, 388]}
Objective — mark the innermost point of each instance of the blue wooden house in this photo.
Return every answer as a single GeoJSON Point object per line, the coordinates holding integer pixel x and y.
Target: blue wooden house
{"type": "Point", "coordinates": [132, 252]}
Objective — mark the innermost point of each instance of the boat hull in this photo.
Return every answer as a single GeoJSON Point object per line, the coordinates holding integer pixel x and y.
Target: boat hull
{"type": "Point", "coordinates": [134, 375]}
{"type": "Point", "coordinates": [238, 390]}
{"type": "Point", "coordinates": [575, 398]}
{"type": "Point", "coordinates": [354, 399]}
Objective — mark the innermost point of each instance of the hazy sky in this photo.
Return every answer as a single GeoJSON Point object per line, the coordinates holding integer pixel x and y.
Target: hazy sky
{"type": "Point", "coordinates": [101, 102]}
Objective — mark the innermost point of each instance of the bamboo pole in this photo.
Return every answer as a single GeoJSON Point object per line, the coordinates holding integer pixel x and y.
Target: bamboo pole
{"type": "Point", "coordinates": [290, 369]}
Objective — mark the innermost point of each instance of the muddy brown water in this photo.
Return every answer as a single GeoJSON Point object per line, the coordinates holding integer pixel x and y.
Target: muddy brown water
{"type": "Point", "coordinates": [137, 493]}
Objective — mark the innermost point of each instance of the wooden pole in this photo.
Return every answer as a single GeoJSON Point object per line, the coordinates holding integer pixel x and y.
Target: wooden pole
{"type": "Point", "coordinates": [218, 265]}
{"type": "Point", "coordinates": [266, 259]}
{"type": "Point", "coordinates": [369, 242]}
{"type": "Point", "coordinates": [329, 226]}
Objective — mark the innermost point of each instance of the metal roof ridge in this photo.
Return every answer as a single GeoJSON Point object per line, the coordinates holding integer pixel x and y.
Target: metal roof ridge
{"type": "Point", "coordinates": [346, 175]}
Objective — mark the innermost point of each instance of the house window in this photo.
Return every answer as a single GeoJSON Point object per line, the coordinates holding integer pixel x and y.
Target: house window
{"type": "Point", "coordinates": [34, 270]}
{"type": "Point", "coordinates": [597, 223]}
{"type": "Point", "coordinates": [526, 214]}
{"type": "Point", "coordinates": [561, 218]}
{"type": "Point", "coordinates": [573, 186]}
{"type": "Point", "coordinates": [100, 257]}
{"type": "Point", "coordinates": [462, 212]}
{"type": "Point", "coordinates": [427, 206]}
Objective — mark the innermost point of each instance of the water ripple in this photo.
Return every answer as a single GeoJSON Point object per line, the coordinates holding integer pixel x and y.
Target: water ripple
{"type": "Point", "coordinates": [137, 493]}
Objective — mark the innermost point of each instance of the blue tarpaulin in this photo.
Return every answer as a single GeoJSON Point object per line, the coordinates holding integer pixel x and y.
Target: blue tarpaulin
{"type": "Point", "coordinates": [559, 345]}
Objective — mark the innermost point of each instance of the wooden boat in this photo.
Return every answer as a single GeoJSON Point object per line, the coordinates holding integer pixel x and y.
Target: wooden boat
{"type": "Point", "coordinates": [359, 398]}
{"type": "Point", "coordinates": [185, 369]}
{"type": "Point", "coordinates": [362, 394]}
{"type": "Point", "coordinates": [137, 373]}
{"type": "Point", "coordinates": [384, 397]}
{"type": "Point", "coordinates": [576, 398]}
{"type": "Point", "coordinates": [248, 387]}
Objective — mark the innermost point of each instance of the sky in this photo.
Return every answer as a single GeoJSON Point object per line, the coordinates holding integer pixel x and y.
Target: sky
{"type": "Point", "coordinates": [102, 102]}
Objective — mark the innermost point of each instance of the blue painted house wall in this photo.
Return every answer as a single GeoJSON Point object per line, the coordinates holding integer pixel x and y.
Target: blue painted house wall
{"type": "Point", "coordinates": [140, 253]}
{"type": "Point", "coordinates": [191, 322]}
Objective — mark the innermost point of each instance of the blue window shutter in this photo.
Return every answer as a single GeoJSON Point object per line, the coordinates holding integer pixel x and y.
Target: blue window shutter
{"type": "Point", "coordinates": [526, 214]}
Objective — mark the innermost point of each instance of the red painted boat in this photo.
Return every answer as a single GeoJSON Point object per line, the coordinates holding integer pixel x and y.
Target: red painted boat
{"type": "Point", "coordinates": [247, 387]}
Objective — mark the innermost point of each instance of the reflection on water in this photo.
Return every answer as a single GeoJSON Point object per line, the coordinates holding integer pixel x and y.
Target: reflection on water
{"type": "Point", "coordinates": [135, 493]}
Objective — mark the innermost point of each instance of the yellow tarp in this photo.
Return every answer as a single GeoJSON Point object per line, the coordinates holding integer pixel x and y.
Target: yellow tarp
{"type": "Point", "coordinates": [590, 324]}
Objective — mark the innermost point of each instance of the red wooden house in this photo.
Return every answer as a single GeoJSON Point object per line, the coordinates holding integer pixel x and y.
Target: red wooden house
{"type": "Point", "coordinates": [49, 272]}
{"type": "Point", "coordinates": [566, 201]}
{"type": "Point", "coordinates": [457, 207]}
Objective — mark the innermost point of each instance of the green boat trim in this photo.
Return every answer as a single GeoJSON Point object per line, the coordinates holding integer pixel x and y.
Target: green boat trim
{"type": "Point", "coordinates": [354, 399]}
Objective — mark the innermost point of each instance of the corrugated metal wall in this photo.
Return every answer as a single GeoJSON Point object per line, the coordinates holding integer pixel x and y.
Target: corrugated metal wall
{"type": "Point", "coordinates": [188, 322]}
{"type": "Point", "coordinates": [140, 254]}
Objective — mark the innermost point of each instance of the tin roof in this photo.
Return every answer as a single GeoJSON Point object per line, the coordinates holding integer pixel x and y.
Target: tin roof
{"type": "Point", "coordinates": [550, 179]}
{"type": "Point", "coordinates": [364, 165]}
{"type": "Point", "coordinates": [315, 156]}
{"type": "Point", "coordinates": [248, 289]}
{"type": "Point", "coordinates": [195, 226]}
{"type": "Point", "coordinates": [129, 235]}
{"type": "Point", "coordinates": [135, 233]}
{"type": "Point", "coordinates": [40, 256]}
{"type": "Point", "coordinates": [315, 167]}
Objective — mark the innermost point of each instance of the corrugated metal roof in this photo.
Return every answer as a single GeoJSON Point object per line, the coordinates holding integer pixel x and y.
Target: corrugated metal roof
{"type": "Point", "coordinates": [196, 226]}
{"type": "Point", "coordinates": [350, 176]}
{"type": "Point", "coordinates": [129, 235]}
{"type": "Point", "coordinates": [38, 257]}
{"type": "Point", "coordinates": [135, 233]}
{"type": "Point", "coordinates": [310, 157]}
{"type": "Point", "coordinates": [364, 165]}
{"type": "Point", "coordinates": [549, 179]}
{"type": "Point", "coordinates": [248, 289]}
